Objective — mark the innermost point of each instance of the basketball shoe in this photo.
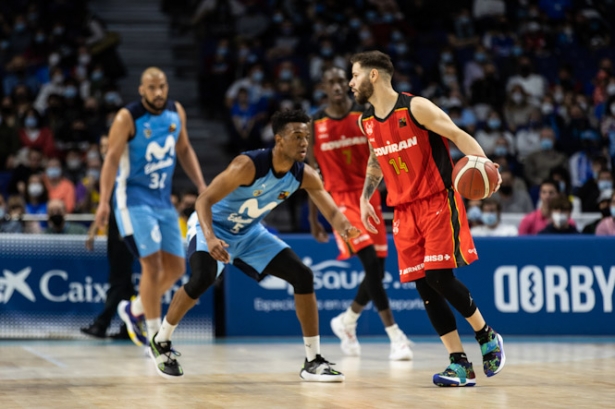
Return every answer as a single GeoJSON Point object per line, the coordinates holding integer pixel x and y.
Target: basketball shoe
{"type": "Point", "coordinates": [319, 370]}
{"type": "Point", "coordinates": [347, 334]}
{"type": "Point", "coordinates": [401, 348]}
{"type": "Point", "coordinates": [134, 325]}
{"type": "Point", "coordinates": [162, 354]}
{"type": "Point", "coordinates": [492, 347]}
{"type": "Point", "coordinates": [456, 374]}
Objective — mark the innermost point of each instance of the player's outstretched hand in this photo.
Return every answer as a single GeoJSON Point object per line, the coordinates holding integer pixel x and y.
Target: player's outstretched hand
{"type": "Point", "coordinates": [217, 249]}
{"type": "Point", "coordinates": [319, 232]}
{"type": "Point", "coordinates": [350, 233]}
{"type": "Point", "coordinates": [367, 212]}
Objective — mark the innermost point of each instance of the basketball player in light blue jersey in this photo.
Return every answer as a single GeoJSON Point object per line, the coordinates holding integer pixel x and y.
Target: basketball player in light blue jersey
{"type": "Point", "coordinates": [226, 228]}
{"type": "Point", "coordinates": [145, 140]}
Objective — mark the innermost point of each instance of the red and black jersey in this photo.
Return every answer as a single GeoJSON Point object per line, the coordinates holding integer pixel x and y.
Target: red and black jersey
{"type": "Point", "coordinates": [341, 150]}
{"type": "Point", "coordinates": [415, 161]}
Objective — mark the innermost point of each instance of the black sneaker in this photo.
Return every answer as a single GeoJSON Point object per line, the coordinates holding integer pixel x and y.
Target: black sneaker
{"type": "Point", "coordinates": [319, 370]}
{"type": "Point", "coordinates": [162, 354]}
{"type": "Point", "coordinates": [121, 334]}
{"type": "Point", "coordinates": [95, 331]}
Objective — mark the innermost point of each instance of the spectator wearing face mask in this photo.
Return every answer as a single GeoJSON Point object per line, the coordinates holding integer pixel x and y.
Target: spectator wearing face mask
{"type": "Point", "coordinates": [74, 166]}
{"type": "Point", "coordinates": [533, 84]}
{"type": "Point", "coordinates": [34, 135]}
{"type": "Point", "coordinates": [527, 138]}
{"type": "Point", "coordinates": [252, 83]}
{"type": "Point", "coordinates": [561, 175]}
{"type": "Point", "coordinates": [539, 163]}
{"type": "Point", "coordinates": [511, 197]}
{"type": "Point", "coordinates": [474, 213]}
{"type": "Point", "coordinates": [58, 186]}
{"type": "Point", "coordinates": [537, 220]}
{"type": "Point", "coordinates": [604, 206]}
{"type": "Point", "coordinates": [517, 108]}
{"type": "Point", "coordinates": [488, 136]}
{"type": "Point", "coordinates": [12, 221]}
{"type": "Point", "coordinates": [36, 196]}
{"type": "Point", "coordinates": [57, 223]}
{"type": "Point", "coordinates": [492, 226]}
{"type": "Point", "coordinates": [559, 209]}
{"type": "Point", "coordinates": [606, 227]}
{"type": "Point", "coordinates": [54, 86]}
{"type": "Point", "coordinates": [593, 188]}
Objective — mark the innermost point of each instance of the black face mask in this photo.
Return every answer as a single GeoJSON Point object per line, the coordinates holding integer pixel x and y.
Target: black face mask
{"type": "Point", "coordinates": [188, 211]}
{"type": "Point", "coordinates": [506, 190]}
{"type": "Point", "coordinates": [606, 212]}
{"type": "Point", "coordinates": [57, 220]}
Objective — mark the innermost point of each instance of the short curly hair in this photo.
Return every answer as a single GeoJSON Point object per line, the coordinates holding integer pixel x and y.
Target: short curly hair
{"type": "Point", "coordinates": [281, 118]}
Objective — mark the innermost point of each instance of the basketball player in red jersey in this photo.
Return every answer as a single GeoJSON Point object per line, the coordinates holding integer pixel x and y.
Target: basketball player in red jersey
{"type": "Point", "coordinates": [408, 139]}
{"type": "Point", "coordinates": [340, 150]}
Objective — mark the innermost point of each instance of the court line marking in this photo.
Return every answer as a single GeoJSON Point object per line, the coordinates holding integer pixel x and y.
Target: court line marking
{"type": "Point", "coordinates": [45, 357]}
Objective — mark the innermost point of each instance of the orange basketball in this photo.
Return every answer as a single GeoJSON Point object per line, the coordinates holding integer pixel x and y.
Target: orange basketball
{"type": "Point", "coordinates": [475, 177]}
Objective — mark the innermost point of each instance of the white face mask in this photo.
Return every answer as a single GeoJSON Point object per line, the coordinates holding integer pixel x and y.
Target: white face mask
{"type": "Point", "coordinates": [559, 219]}
{"type": "Point", "coordinates": [35, 189]}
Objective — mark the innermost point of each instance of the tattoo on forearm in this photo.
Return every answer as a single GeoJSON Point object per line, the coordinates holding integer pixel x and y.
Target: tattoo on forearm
{"type": "Point", "coordinates": [373, 175]}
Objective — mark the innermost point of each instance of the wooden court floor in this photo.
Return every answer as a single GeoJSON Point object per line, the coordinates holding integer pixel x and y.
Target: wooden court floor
{"type": "Point", "coordinates": [99, 374]}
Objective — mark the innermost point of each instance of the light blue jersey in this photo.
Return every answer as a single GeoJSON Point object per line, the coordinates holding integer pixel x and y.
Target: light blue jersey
{"type": "Point", "coordinates": [142, 199]}
{"type": "Point", "coordinates": [146, 168]}
{"type": "Point", "coordinates": [237, 217]}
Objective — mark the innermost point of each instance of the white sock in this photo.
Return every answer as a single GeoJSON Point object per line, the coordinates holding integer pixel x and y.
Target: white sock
{"type": "Point", "coordinates": [165, 331]}
{"type": "Point", "coordinates": [136, 306]}
{"type": "Point", "coordinates": [393, 332]}
{"type": "Point", "coordinates": [153, 326]}
{"type": "Point", "coordinates": [312, 347]}
{"type": "Point", "coordinates": [350, 317]}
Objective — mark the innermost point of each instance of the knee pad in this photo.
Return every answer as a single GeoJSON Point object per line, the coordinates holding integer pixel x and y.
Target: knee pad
{"type": "Point", "coordinates": [446, 284]}
{"type": "Point", "coordinates": [291, 269]}
{"type": "Point", "coordinates": [204, 269]}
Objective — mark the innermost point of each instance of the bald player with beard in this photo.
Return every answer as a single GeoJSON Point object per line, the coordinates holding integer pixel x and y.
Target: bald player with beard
{"type": "Point", "coordinates": [145, 140]}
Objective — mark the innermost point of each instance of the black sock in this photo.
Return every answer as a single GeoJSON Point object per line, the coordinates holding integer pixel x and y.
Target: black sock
{"type": "Point", "coordinates": [483, 334]}
{"type": "Point", "coordinates": [458, 357]}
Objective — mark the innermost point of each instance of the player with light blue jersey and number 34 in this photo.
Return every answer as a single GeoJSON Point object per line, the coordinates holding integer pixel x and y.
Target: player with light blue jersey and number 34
{"type": "Point", "coordinates": [145, 141]}
{"type": "Point", "coordinates": [229, 231]}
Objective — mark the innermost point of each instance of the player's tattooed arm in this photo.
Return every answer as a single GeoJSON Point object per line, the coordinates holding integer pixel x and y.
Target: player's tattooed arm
{"type": "Point", "coordinates": [373, 175]}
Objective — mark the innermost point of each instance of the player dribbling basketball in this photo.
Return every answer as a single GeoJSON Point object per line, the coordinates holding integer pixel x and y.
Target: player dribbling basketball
{"type": "Point", "coordinates": [409, 148]}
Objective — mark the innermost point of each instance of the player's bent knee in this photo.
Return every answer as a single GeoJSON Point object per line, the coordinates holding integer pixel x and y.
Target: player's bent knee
{"type": "Point", "coordinates": [287, 266]}
{"type": "Point", "coordinates": [204, 270]}
{"type": "Point", "coordinates": [304, 280]}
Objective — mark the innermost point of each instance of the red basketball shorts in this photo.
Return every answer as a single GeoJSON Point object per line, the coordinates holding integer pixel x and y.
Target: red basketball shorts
{"type": "Point", "coordinates": [349, 204]}
{"type": "Point", "coordinates": [432, 233]}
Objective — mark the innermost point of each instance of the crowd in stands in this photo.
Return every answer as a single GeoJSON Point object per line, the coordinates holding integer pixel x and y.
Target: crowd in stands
{"type": "Point", "coordinates": [532, 80]}
{"type": "Point", "coordinates": [58, 96]}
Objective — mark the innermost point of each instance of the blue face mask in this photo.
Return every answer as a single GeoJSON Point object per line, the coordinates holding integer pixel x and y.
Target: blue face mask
{"type": "Point", "coordinates": [494, 123]}
{"type": "Point", "coordinates": [474, 214]}
{"type": "Point", "coordinates": [480, 57]}
{"type": "Point", "coordinates": [53, 172]}
{"type": "Point", "coordinates": [355, 23]}
{"type": "Point", "coordinates": [396, 36]}
{"type": "Point", "coordinates": [613, 211]}
{"type": "Point", "coordinates": [562, 186]}
{"type": "Point", "coordinates": [257, 76]}
{"type": "Point", "coordinates": [500, 150]}
{"type": "Point", "coordinates": [286, 75]}
{"type": "Point", "coordinates": [605, 185]}
{"type": "Point", "coordinates": [490, 219]}
{"type": "Point", "coordinates": [326, 52]}
{"type": "Point", "coordinates": [30, 122]}
{"type": "Point", "coordinates": [19, 27]}
{"type": "Point", "coordinates": [2, 212]}
{"type": "Point", "coordinates": [70, 92]}
{"type": "Point", "coordinates": [546, 144]}
{"type": "Point", "coordinates": [93, 174]}
{"type": "Point", "coordinates": [97, 75]}
{"type": "Point", "coordinates": [447, 57]}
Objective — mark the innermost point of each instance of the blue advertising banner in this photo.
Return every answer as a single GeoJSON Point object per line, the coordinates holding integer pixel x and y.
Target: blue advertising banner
{"type": "Point", "coordinates": [525, 286]}
{"type": "Point", "coordinates": [51, 285]}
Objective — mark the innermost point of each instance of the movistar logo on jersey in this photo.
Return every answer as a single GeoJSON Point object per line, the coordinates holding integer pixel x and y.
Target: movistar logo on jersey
{"type": "Point", "coordinates": [343, 143]}
{"type": "Point", "coordinates": [395, 147]}
{"type": "Point", "coordinates": [155, 151]}
{"type": "Point", "coordinates": [251, 209]}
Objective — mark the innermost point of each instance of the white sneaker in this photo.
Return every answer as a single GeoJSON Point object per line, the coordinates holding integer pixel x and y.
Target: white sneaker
{"type": "Point", "coordinates": [400, 349]}
{"type": "Point", "coordinates": [347, 334]}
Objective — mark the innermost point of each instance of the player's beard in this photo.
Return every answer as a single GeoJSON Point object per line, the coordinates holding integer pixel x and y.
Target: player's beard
{"type": "Point", "coordinates": [364, 92]}
{"type": "Point", "coordinates": [154, 107]}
